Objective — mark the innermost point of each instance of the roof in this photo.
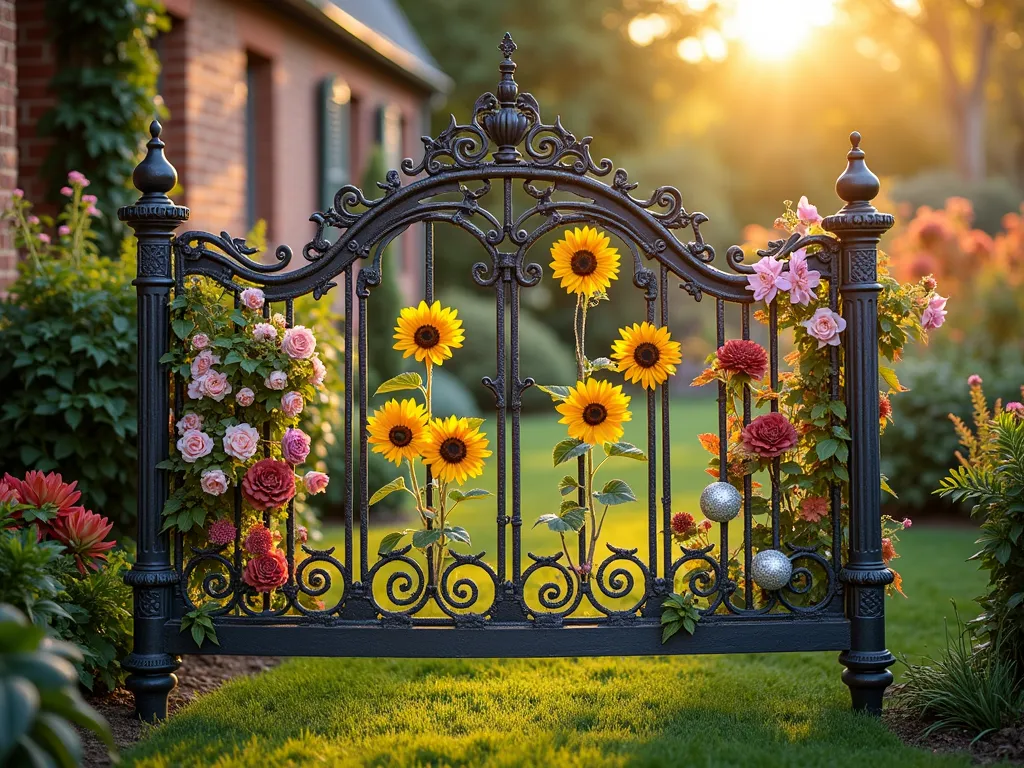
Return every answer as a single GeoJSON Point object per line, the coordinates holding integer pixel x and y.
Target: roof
{"type": "Point", "coordinates": [379, 29]}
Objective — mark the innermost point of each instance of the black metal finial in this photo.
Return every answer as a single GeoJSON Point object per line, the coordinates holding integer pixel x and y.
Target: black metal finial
{"type": "Point", "coordinates": [155, 176]}
{"type": "Point", "coordinates": [508, 89]}
{"type": "Point", "coordinates": [507, 46]}
{"type": "Point", "coordinates": [857, 184]}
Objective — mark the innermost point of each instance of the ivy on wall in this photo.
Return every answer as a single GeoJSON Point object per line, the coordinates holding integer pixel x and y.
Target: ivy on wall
{"type": "Point", "coordinates": [106, 85]}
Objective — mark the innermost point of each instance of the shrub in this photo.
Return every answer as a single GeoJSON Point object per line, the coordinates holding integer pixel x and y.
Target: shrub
{"type": "Point", "coordinates": [991, 476]}
{"type": "Point", "coordinates": [542, 354]}
{"type": "Point", "coordinates": [39, 688]}
{"type": "Point", "coordinates": [970, 687]}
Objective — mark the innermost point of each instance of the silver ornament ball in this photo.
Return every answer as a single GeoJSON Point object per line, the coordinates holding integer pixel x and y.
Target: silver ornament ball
{"type": "Point", "coordinates": [720, 502]}
{"type": "Point", "coordinates": [771, 570]}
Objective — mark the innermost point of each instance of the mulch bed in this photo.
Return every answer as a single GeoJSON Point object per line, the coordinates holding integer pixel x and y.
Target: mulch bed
{"type": "Point", "coordinates": [1006, 744]}
{"type": "Point", "coordinates": [198, 675]}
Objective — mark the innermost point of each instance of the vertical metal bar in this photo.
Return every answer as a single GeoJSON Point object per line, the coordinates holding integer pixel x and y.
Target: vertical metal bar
{"type": "Point", "coordinates": [364, 497]}
{"type": "Point", "coordinates": [581, 474]}
{"type": "Point", "coordinates": [289, 312]}
{"type": "Point", "coordinates": [723, 445]}
{"type": "Point", "coordinates": [773, 358]}
{"type": "Point", "coordinates": [428, 261]}
{"type": "Point", "coordinates": [748, 490]}
{"type": "Point", "coordinates": [514, 384]}
{"type": "Point", "coordinates": [666, 444]}
{"type": "Point", "coordinates": [238, 539]}
{"type": "Point", "coordinates": [500, 427]}
{"type": "Point", "coordinates": [835, 490]}
{"type": "Point", "coordinates": [350, 491]}
{"type": "Point", "coordinates": [652, 464]}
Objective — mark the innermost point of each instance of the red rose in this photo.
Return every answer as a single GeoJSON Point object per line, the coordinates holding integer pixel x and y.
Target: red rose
{"type": "Point", "coordinates": [266, 572]}
{"type": "Point", "coordinates": [269, 483]}
{"type": "Point", "coordinates": [769, 436]}
{"type": "Point", "coordinates": [742, 356]}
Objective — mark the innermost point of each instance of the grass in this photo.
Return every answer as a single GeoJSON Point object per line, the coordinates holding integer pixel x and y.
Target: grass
{"type": "Point", "coordinates": [778, 710]}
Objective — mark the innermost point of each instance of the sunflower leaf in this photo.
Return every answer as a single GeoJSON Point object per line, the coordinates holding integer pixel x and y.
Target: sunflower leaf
{"type": "Point", "coordinates": [398, 484]}
{"type": "Point", "coordinates": [603, 364]}
{"type": "Point", "coordinates": [569, 519]}
{"type": "Point", "coordinates": [457, 533]}
{"type": "Point", "coordinates": [475, 422]}
{"type": "Point", "coordinates": [615, 492]}
{"type": "Point", "coordinates": [567, 485]}
{"type": "Point", "coordinates": [626, 450]}
{"type": "Point", "coordinates": [558, 394]}
{"type": "Point", "coordinates": [569, 449]}
{"type": "Point", "coordinates": [390, 541]}
{"type": "Point", "coordinates": [422, 539]}
{"type": "Point", "coordinates": [402, 381]}
{"type": "Point", "coordinates": [476, 493]}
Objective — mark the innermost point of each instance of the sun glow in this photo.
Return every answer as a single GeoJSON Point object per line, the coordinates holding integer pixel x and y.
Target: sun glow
{"type": "Point", "coordinates": [772, 30]}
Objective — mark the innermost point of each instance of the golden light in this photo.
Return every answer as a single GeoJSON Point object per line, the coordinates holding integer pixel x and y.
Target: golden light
{"type": "Point", "coordinates": [775, 29]}
{"type": "Point", "coordinates": [644, 30]}
{"type": "Point", "coordinates": [690, 50]}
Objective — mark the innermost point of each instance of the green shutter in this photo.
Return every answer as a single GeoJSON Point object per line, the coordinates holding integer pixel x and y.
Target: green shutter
{"type": "Point", "coordinates": [335, 138]}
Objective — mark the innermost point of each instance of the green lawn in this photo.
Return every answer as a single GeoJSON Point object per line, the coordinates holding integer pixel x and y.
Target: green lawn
{"type": "Point", "coordinates": [787, 709]}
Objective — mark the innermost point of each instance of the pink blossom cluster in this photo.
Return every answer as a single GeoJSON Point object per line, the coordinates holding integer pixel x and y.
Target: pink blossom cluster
{"type": "Point", "coordinates": [771, 276]}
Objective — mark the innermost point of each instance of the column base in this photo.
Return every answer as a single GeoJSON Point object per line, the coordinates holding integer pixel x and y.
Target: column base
{"type": "Point", "coordinates": [151, 680]}
{"type": "Point", "coordinates": [867, 676]}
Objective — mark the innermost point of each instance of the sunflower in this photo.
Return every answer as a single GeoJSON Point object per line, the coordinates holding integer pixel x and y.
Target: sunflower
{"type": "Point", "coordinates": [455, 451]}
{"type": "Point", "coordinates": [646, 354]}
{"type": "Point", "coordinates": [398, 430]}
{"type": "Point", "coordinates": [584, 261]}
{"type": "Point", "coordinates": [429, 333]}
{"type": "Point", "coordinates": [595, 411]}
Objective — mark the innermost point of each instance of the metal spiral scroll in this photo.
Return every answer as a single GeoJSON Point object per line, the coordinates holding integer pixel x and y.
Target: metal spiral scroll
{"type": "Point", "coordinates": [828, 249]}
{"type": "Point", "coordinates": [192, 246]}
{"type": "Point", "coordinates": [710, 586]}
{"type": "Point", "coordinates": [620, 582]}
{"type": "Point", "coordinates": [465, 145]}
{"type": "Point", "coordinates": [552, 596]}
{"type": "Point", "coordinates": [216, 585]}
{"type": "Point", "coordinates": [313, 580]}
{"type": "Point", "coordinates": [406, 589]}
{"type": "Point", "coordinates": [802, 580]}
{"type": "Point", "coordinates": [459, 600]}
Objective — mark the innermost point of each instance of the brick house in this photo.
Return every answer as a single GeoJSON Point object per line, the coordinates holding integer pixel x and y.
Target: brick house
{"type": "Point", "coordinates": [273, 105]}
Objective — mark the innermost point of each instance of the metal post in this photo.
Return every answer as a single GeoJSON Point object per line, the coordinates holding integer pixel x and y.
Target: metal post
{"type": "Point", "coordinates": [859, 227]}
{"type": "Point", "coordinates": [154, 217]}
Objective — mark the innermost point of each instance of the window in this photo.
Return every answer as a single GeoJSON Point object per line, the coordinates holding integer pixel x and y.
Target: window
{"type": "Point", "coordinates": [259, 144]}
{"type": "Point", "coordinates": [335, 138]}
{"type": "Point", "coordinates": [389, 135]}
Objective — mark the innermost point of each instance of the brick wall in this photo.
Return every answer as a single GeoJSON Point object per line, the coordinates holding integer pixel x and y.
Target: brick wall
{"type": "Point", "coordinates": [8, 132]}
{"type": "Point", "coordinates": [36, 68]}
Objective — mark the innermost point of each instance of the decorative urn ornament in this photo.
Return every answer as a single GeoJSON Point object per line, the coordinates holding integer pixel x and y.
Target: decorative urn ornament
{"type": "Point", "coordinates": [720, 502]}
{"type": "Point", "coordinates": [771, 570]}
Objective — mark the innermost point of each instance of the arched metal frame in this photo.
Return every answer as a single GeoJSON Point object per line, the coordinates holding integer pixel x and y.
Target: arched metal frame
{"type": "Point", "coordinates": [532, 606]}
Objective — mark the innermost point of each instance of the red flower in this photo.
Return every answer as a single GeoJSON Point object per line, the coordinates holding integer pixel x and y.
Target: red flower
{"type": "Point", "coordinates": [888, 550]}
{"type": "Point", "coordinates": [813, 508]}
{"type": "Point", "coordinates": [38, 490]}
{"type": "Point", "coordinates": [266, 572]}
{"type": "Point", "coordinates": [683, 525]}
{"type": "Point", "coordinates": [884, 408]}
{"type": "Point", "coordinates": [769, 436]}
{"type": "Point", "coordinates": [82, 533]}
{"type": "Point", "coordinates": [8, 493]}
{"type": "Point", "coordinates": [259, 541]}
{"type": "Point", "coordinates": [742, 356]}
{"type": "Point", "coordinates": [269, 483]}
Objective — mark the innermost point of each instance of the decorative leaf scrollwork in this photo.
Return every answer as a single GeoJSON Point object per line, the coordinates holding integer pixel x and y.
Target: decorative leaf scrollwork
{"type": "Point", "coordinates": [193, 246]}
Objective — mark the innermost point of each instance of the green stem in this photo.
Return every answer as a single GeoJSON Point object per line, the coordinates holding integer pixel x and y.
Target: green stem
{"type": "Point", "coordinates": [565, 549]}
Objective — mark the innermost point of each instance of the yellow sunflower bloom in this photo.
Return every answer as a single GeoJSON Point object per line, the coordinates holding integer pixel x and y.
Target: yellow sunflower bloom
{"type": "Point", "coordinates": [428, 332]}
{"type": "Point", "coordinates": [646, 354]}
{"type": "Point", "coordinates": [584, 261]}
{"type": "Point", "coordinates": [595, 411]}
{"type": "Point", "coordinates": [398, 430]}
{"type": "Point", "coordinates": [455, 451]}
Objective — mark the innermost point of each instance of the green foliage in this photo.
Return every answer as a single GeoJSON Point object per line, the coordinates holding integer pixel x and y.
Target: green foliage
{"type": "Point", "coordinates": [543, 355]}
{"type": "Point", "coordinates": [68, 373]}
{"type": "Point", "coordinates": [30, 574]}
{"type": "Point", "coordinates": [200, 624]}
{"type": "Point", "coordinates": [41, 702]}
{"type": "Point", "coordinates": [991, 477]}
{"type": "Point", "coordinates": [974, 688]}
{"type": "Point", "coordinates": [100, 606]}
{"type": "Point", "coordinates": [678, 612]}
{"type": "Point", "coordinates": [105, 88]}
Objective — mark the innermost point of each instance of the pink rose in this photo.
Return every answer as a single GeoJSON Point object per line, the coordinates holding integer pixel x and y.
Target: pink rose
{"type": "Point", "coordinates": [252, 298]}
{"type": "Point", "coordinates": [276, 380]}
{"type": "Point", "coordinates": [216, 386]}
{"type": "Point", "coordinates": [221, 532]}
{"type": "Point", "coordinates": [319, 371]}
{"type": "Point", "coordinates": [764, 281]}
{"type": "Point", "coordinates": [77, 177]}
{"type": "Point", "coordinates": [298, 343]}
{"type": "Point", "coordinates": [63, 230]}
{"type": "Point", "coordinates": [213, 482]}
{"type": "Point", "coordinates": [769, 436]}
{"type": "Point", "coordinates": [825, 326]}
{"type": "Point", "coordinates": [201, 341]}
{"type": "Point", "coordinates": [189, 421]}
{"type": "Point", "coordinates": [315, 482]}
{"type": "Point", "coordinates": [934, 314]}
{"type": "Point", "coordinates": [92, 210]}
{"type": "Point", "coordinates": [807, 213]}
{"type": "Point", "coordinates": [265, 573]}
{"type": "Point", "coordinates": [241, 441]}
{"type": "Point", "coordinates": [268, 484]}
{"type": "Point", "coordinates": [44, 238]}
{"type": "Point", "coordinates": [194, 444]}
{"type": "Point", "coordinates": [264, 332]}
{"type": "Point", "coordinates": [294, 446]}
{"type": "Point", "coordinates": [195, 388]}
{"type": "Point", "coordinates": [245, 397]}
{"type": "Point", "coordinates": [800, 280]}
{"type": "Point", "coordinates": [203, 362]}
{"type": "Point", "coordinates": [67, 191]}
{"type": "Point", "coordinates": [291, 404]}
{"type": "Point", "coordinates": [17, 194]}
{"type": "Point", "coordinates": [33, 220]}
